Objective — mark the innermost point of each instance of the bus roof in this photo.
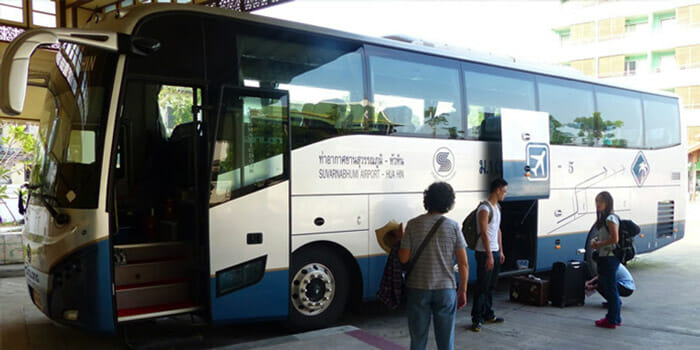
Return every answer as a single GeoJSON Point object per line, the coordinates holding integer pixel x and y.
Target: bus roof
{"type": "Point", "coordinates": [127, 20]}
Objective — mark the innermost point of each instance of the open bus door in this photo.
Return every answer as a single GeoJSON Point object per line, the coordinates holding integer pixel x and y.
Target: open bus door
{"type": "Point", "coordinates": [249, 220]}
{"type": "Point", "coordinates": [526, 168]}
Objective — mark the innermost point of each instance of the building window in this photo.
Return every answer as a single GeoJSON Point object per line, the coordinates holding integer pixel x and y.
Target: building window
{"type": "Point", "coordinates": [667, 23]}
{"type": "Point", "coordinates": [587, 67]}
{"type": "Point", "coordinates": [636, 64]}
{"type": "Point", "coordinates": [690, 96]}
{"type": "Point", "coordinates": [636, 24]}
{"type": "Point", "coordinates": [688, 56]}
{"type": "Point", "coordinates": [564, 36]}
{"type": "Point", "coordinates": [44, 13]}
{"type": "Point", "coordinates": [583, 32]}
{"type": "Point", "coordinates": [688, 15]}
{"type": "Point", "coordinates": [664, 62]}
{"type": "Point", "coordinates": [611, 28]}
{"type": "Point", "coordinates": [12, 10]}
{"type": "Point", "coordinates": [611, 66]}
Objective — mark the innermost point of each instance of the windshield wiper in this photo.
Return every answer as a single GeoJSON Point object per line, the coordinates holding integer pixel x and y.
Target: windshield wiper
{"type": "Point", "coordinates": [20, 200]}
{"type": "Point", "coordinates": [59, 218]}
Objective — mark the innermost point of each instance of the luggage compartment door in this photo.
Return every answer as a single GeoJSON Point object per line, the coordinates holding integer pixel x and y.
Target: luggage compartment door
{"type": "Point", "coordinates": [525, 153]}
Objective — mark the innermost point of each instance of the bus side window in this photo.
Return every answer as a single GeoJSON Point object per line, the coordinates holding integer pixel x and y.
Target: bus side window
{"type": "Point", "coordinates": [488, 90]}
{"type": "Point", "coordinates": [323, 78]}
{"type": "Point", "coordinates": [620, 114]}
{"type": "Point", "coordinates": [570, 106]}
{"type": "Point", "coordinates": [414, 96]}
{"type": "Point", "coordinates": [662, 127]}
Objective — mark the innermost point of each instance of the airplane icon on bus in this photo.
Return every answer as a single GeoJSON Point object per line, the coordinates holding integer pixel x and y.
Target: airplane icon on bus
{"type": "Point", "coordinates": [537, 158]}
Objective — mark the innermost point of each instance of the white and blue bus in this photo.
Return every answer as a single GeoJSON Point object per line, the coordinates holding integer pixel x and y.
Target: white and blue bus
{"type": "Point", "coordinates": [196, 160]}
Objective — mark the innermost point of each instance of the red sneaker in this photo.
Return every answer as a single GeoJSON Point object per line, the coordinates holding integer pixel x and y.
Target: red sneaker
{"type": "Point", "coordinates": [604, 323]}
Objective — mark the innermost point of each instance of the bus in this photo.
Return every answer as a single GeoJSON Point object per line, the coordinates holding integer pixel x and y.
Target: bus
{"type": "Point", "coordinates": [194, 160]}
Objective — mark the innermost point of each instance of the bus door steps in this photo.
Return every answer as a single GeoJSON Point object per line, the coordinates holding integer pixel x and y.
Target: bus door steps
{"type": "Point", "coordinates": [149, 252]}
{"type": "Point", "coordinates": [162, 310]}
{"type": "Point", "coordinates": [150, 272]}
{"type": "Point", "coordinates": [150, 295]}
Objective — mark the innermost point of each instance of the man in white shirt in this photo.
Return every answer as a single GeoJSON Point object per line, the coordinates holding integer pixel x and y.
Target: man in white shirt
{"type": "Point", "coordinates": [489, 256]}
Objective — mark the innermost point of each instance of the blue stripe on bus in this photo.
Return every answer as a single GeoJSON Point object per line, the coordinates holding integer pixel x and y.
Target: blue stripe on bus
{"type": "Point", "coordinates": [547, 252]}
{"type": "Point", "coordinates": [88, 290]}
{"type": "Point", "coordinates": [265, 300]}
{"type": "Point", "coordinates": [569, 243]}
{"type": "Point", "coordinates": [105, 310]}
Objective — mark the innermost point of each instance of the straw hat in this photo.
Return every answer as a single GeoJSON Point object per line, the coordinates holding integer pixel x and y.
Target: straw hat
{"type": "Point", "coordinates": [386, 235]}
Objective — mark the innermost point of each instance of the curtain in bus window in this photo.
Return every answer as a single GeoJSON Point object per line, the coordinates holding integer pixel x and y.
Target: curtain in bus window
{"type": "Point", "coordinates": [489, 90]}
{"type": "Point", "coordinates": [324, 81]}
{"type": "Point", "coordinates": [618, 121]}
{"type": "Point", "coordinates": [570, 105]}
{"type": "Point", "coordinates": [661, 122]}
{"type": "Point", "coordinates": [413, 98]}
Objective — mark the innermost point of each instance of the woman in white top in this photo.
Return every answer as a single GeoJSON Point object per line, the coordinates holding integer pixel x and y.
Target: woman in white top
{"type": "Point", "coordinates": [607, 225]}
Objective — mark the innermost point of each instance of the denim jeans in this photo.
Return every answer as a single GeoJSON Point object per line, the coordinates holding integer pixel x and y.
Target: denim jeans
{"type": "Point", "coordinates": [607, 266]}
{"type": "Point", "coordinates": [441, 304]}
{"type": "Point", "coordinates": [486, 282]}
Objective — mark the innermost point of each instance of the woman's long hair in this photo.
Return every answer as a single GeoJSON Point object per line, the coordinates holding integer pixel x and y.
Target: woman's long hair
{"type": "Point", "coordinates": [602, 216]}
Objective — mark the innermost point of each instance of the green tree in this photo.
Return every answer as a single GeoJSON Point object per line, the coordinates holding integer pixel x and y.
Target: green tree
{"type": "Point", "coordinates": [177, 100]}
{"type": "Point", "coordinates": [593, 128]}
{"type": "Point", "coordinates": [16, 147]}
{"type": "Point", "coordinates": [558, 137]}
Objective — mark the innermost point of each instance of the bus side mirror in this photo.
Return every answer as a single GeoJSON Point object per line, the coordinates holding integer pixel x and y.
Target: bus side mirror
{"type": "Point", "coordinates": [14, 68]}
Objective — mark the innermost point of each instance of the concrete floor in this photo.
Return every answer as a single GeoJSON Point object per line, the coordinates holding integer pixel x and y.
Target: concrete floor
{"type": "Point", "coordinates": [663, 313]}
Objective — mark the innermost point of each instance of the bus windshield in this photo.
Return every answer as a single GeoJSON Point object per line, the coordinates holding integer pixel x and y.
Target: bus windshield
{"type": "Point", "coordinates": [73, 91]}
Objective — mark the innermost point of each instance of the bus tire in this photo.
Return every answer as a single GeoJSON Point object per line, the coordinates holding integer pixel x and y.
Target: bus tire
{"type": "Point", "coordinates": [319, 289]}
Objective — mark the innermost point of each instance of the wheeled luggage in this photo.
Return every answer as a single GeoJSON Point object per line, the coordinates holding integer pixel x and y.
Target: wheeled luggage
{"type": "Point", "coordinates": [529, 290]}
{"type": "Point", "coordinates": [567, 283]}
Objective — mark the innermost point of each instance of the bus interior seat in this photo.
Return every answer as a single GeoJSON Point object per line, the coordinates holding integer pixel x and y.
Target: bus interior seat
{"type": "Point", "coordinates": [307, 108]}
{"type": "Point", "coordinates": [401, 117]}
{"type": "Point", "coordinates": [354, 119]}
{"type": "Point", "coordinates": [334, 110]}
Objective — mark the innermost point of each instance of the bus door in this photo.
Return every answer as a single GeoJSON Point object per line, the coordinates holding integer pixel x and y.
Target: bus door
{"type": "Point", "coordinates": [526, 167]}
{"type": "Point", "coordinates": [249, 205]}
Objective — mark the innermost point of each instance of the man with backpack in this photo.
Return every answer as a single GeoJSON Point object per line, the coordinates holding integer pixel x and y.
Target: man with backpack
{"type": "Point", "coordinates": [489, 255]}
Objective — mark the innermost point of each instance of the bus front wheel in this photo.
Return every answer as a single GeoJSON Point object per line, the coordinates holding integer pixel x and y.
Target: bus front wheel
{"type": "Point", "coordinates": [318, 289]}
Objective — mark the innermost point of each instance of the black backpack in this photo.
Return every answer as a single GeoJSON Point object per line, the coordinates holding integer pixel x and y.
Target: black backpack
{"type": "Point", "coordinates": [469, 226]}
{"type": "Point", "coordinates": [625, 245]}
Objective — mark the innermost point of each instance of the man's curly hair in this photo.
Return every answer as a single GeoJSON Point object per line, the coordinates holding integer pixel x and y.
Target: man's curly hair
{"type": "Point", "coordinates": [439, 197]}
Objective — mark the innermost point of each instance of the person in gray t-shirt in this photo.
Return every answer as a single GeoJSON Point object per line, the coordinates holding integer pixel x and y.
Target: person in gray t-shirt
{"type": "Point", "coordinates": [431, 284]}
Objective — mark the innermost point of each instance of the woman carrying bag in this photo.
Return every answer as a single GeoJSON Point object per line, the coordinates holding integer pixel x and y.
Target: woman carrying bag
{"type": "Point", "coordinates": [607, 225]}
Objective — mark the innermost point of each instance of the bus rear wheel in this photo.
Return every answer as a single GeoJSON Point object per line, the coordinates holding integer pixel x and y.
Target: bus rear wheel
{"type": "Point", "coordinates": [318, 289]}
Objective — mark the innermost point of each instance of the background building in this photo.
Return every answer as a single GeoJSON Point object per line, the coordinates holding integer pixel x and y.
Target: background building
{"type": "Point", "coordinates": [644, 44]}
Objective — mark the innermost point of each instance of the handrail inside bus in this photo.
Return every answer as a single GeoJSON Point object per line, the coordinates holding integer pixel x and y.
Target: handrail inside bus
{"type": "Point", "coordinates": [14, 68]}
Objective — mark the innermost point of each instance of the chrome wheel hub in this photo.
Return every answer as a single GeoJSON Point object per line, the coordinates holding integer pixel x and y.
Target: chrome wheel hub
{"type": "Point", "coordinates": [312, 289]}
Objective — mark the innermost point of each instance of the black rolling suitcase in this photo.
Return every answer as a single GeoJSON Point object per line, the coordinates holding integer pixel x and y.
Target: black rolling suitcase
{"type": "Point", "coordinates": [567, 283]}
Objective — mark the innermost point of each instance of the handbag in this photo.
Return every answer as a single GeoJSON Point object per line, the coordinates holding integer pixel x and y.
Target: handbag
{"type": "Point", "coordinates": [393, 283]}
